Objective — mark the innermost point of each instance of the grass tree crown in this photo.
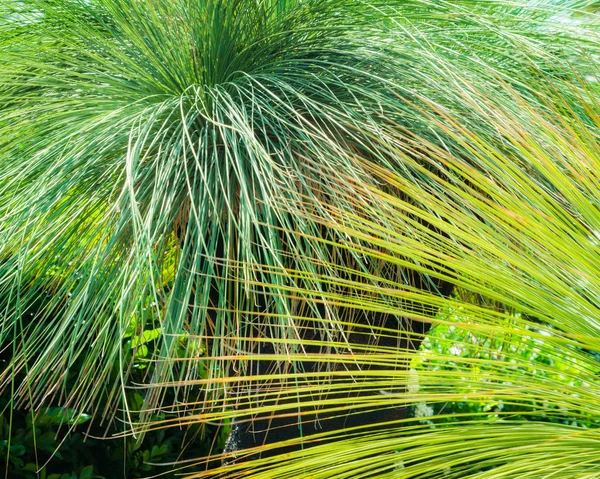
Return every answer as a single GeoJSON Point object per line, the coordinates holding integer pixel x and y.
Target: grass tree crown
{"type": "Point", "coordinates": [153, 155]}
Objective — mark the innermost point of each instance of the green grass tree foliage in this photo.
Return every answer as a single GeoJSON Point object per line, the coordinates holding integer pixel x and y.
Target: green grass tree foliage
{"type": "Point", "coordinates": [168, 167]}
{"type": "Point", "coordinates": [518, 204]}
{"type": "Point", "coordinates": [142, 141]}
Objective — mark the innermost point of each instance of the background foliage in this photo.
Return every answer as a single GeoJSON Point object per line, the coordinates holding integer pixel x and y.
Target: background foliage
{"type": "Point", "coordinates": [567, 371]}
{"type": "Point", "coordinates": [62, 443]}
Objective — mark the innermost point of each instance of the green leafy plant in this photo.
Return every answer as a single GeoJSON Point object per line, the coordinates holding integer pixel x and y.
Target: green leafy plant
{"type": "Point", "coordinates": [62, 443]}
{"type": "Point", "coordinates": [59, 443]}
{"type": "Point", "coordinates": [447, 344]}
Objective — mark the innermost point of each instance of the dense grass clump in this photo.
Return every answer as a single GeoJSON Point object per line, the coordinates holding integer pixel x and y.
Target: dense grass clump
{"type": "Point", "coordinates": [235, 191]}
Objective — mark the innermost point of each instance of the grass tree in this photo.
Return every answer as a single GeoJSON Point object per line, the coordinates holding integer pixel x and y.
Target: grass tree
{"type": "Point", "coordinates": [273, 191]}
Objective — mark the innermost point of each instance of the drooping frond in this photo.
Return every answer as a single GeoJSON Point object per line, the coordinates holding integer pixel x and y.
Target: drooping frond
{"type": "Point", "coordinates": [517, 202]}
